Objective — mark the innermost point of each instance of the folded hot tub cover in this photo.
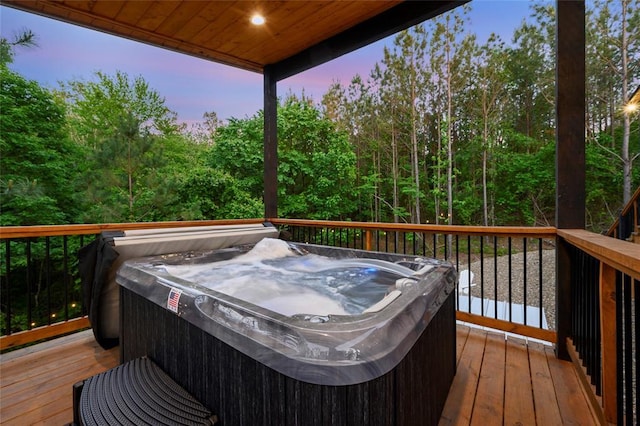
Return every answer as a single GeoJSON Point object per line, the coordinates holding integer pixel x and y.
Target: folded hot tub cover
{"type": "Point", "coordinates": [94, 262]}
{"type": "Point", "coordinates": [99, 261]}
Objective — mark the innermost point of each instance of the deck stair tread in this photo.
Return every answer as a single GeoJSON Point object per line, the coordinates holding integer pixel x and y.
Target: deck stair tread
{"type": "Point", "coordinates": [138, 392]}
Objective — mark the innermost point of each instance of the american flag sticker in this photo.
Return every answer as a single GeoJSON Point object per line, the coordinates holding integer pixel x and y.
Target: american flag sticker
{"type": "Point", "coordinates": [173, 299]}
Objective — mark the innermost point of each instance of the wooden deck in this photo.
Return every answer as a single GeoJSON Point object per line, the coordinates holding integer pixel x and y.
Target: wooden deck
{"type": "Point", "coordinates": [499, 381]}
{"type": "Point", "coordinates": [36, 382]}
{"type": "Point", "coordinates": [512, 382]}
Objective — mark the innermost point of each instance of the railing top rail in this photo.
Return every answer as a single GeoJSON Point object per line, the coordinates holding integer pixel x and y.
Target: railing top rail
{"type": "Point", "coordinates": [622, 255]}
{"type": "Point", "coordinates": [7, 232]}
{"type": "Point", "coordinates": [506, 231]}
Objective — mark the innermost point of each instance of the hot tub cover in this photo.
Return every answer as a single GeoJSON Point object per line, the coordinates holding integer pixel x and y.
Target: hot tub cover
{"type": "Point", "coordinates": [99, 260]}
{"type": "Point", "coordinates": [344, 348]}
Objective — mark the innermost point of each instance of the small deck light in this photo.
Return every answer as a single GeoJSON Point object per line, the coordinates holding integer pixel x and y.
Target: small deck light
{"type": "Point", "coordinates": [257, 19]}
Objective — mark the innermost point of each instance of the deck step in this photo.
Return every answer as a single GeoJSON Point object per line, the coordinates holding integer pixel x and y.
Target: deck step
{"type": "Point", "coordinates": [136, 393]}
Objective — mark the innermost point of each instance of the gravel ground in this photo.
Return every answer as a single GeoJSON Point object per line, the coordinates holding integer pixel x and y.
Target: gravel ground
{"type": "Point", "coordinates": [503, 278]}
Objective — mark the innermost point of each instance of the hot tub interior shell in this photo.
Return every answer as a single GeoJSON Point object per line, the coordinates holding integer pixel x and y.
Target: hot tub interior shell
{"type": "Point", "coordinates": [244, 391]}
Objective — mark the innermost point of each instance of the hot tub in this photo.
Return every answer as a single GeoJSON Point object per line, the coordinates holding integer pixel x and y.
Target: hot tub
{"type": "Point", "coordinates": [281, 333]}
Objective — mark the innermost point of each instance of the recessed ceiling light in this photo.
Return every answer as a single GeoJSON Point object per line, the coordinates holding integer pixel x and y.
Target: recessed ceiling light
{"type": "Point", "coordinates": [257, 19]}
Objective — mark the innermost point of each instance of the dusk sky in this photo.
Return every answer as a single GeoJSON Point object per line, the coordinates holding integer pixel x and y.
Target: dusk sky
{"type": "Point", "coordinates": [193, 86]}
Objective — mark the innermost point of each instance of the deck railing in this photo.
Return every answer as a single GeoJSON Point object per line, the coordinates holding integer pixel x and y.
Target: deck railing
{"type": "Point", "coordinates": [512, 266]}
{"type": "Point", "coordinates": [40, 293]}
{"type": "Point", "coordinates": [603, 337]}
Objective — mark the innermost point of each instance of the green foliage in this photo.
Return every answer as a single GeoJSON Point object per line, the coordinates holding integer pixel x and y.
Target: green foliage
{"type": "Point", "coordinates": [98, 107]}
{"type": "Point", "coordinates": [603, 180]}
{"type": "Point", "coordinates": [207, 193]}
{"type": "Point", "coordinates": [26, 38]}
{"type": "Point", "coordinates": [135, 153]}
{"type": "Point", "coordinates": [527, 182]}
{"type": "Point", "coordinates": [38, 161]}
{"type": "Point", "coordinates": [316, 167]}
{"type": "Point", "coordinates": [126, 182]}
{"type": "Point", "coordinates": [238, 150]}
{"type": "Point", "coordinates": [317, 163]}
{"type": "Point", "coordinates": [445, 128]}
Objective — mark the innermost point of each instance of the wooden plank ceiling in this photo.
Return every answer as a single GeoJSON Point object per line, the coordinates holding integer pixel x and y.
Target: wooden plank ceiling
{"type": "Point", "coordinates": [221, 31]}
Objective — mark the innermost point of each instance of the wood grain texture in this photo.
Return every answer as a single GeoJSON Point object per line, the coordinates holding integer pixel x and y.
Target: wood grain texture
{"type": "Point", "coordinates": [219, 30]}
{"type": "Point", "coordinates": [36, 383]}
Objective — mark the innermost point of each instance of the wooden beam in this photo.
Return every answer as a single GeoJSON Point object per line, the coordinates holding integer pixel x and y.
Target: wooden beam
{"type": "Point", "coordinates": [509, 327]}
{"type": "Point", "coordinates": [570, 149]}
{"type": "Point", "coordinates": [45, 332]}
{"type": "Point", "coordinates": [624, 256]}
{"type": "Point", "coordinates": [500, 231]}
{"type": "Point", "coordinates": [570, 114]}
{"type": "Point", "coordinates": [608, 331]}
{"type": "Point", "coordinates": [398, 18]}
{"type": "Point", "coordinates": [34, 231]}
{"type": "Point", "coordinates": [563, 298]}
{"type": "Point", "coordinates": [270, 144]}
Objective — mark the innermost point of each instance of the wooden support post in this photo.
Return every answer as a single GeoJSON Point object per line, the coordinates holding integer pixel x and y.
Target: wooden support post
{"type": "Point", "coordinates": [608, 330]}
{"type": "Point", "coordinates": [270, 145]}
{"type": "Point", "coordinates": [570, 148]}
{"type": "Point", "coordinates": [367, 239]}
{"type": "Point", "coordinates": [563, 298]}
{"type": "Point", "coordinates": [570, 115]}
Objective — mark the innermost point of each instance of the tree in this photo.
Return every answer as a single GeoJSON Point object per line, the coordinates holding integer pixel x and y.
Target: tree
{"type": "Point", "coordinates": [205, 193]}
{"type": "Point", "coordinates": [124, 184]}
{"type": "Point", "coordinates": [316, 167]}
{"type": "Point", "coordinates": [204, 132]}
{"type": "Point", "coordinates": [488, 101]}
{"type": "Point", "coordinates": [128, 133]}
{"type": "Point", "coordinates": [237, 151]}
{"type": "Point", "coordinates": [613, 30]}
{"type": "Point", "coordinates": [25, 38]}
{"type": "Point", "coordinates": [97, 108]}
{"type": "Point", "coordinates": [453, 74]}
{"type": "Point", "coordinates": [38, 161]}
{"type": "Point", "coordinates": [527, 184]}
{"type": "Point", "coordinates": [530, 66]}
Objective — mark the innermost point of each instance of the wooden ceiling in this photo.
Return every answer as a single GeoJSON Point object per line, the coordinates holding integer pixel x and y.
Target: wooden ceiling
{"type": "Point", "coordinates": [296, 36]}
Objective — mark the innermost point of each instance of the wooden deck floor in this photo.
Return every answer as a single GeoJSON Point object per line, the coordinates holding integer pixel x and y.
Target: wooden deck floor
{"type": "Point", "coordinates": [499, 381]}
{"type": "Point", "coordinates": [36, 382]}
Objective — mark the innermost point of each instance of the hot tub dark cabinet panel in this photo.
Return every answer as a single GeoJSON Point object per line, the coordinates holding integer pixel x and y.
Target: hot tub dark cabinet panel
{"type": "Point", "coordinates": [242, 391]}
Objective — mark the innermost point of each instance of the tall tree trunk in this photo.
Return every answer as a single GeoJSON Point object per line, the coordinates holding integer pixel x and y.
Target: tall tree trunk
{"type": "Point", "coordinates": [436, 192]}
{"type": "Point", "coordinates": [377, 168]}
{"type": "Point", "coordinates": [485, 203]}
{"type": "Point", "coordinates": [130, 179]}
{"type": "Point", "coordinates": [626, 161]}
{"type": "Point", "coordinates": [394, 171]}
{"type": "Point", "coordinates": [449, 144]}
{"type": "Point", "coordinates": [414, 144]}
{"type": "Point", "coordinates": [485, 142]}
